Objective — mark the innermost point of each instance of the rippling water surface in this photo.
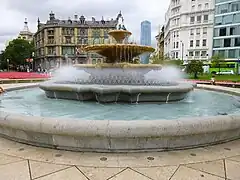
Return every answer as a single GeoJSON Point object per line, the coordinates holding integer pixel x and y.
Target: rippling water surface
{"type": "Point", "coordinates": [33, 102]}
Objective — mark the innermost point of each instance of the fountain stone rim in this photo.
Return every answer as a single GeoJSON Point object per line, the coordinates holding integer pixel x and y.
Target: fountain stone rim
{"type": "Point", "coordinates": [119, 136]}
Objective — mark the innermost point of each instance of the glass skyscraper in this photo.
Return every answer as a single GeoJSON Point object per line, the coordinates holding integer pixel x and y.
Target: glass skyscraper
{"type": "Point", "coordinates": [145, 39]}
{"type": "Point", "coordinates": [226, 38]}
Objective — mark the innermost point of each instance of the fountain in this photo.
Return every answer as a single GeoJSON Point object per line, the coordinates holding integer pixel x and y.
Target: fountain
{"type": "Point", "coordinates": [117, 79]}
{"type": "Point", "coordinates": [179, 118]}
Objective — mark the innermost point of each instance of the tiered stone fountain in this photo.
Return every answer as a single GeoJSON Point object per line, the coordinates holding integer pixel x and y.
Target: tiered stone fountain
{"type": "Point", "coordinates": [118, 79]}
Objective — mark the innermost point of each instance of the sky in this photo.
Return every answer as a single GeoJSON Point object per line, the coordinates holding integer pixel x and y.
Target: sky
{"type": "Point", "coordinates": [13, 13]}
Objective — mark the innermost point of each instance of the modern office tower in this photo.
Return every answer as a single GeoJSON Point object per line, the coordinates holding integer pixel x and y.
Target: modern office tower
{"type": "Point", "coordinates": [226, 39]}
{"type": "Point", "coordinates": [60, 41]}
{"type": "Point", "coordinates": [145, 40]}
{"type": "Point", "coordinates": [189, 29]}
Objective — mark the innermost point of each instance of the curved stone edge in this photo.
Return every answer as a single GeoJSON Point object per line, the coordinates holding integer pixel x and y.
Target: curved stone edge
{"type": "Point", "coordinates": [119, 136]}
{"type": "Point", "coordinates": [116, 93]}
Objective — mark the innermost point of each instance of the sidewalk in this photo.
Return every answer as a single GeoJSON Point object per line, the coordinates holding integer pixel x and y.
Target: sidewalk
{"type": "Point", "coordinates": [22, 162]}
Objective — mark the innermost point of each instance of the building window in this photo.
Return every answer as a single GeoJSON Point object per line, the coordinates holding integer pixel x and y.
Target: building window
{"type": "Point", "coordinates": [221, 53]}
{"type": "Point", "coordinates": [204, 30]}
{"type": "Point", "coordinates": [227, 19]}
{"type": "Point", "coordinates": [198, 31]}
{"type": "Point", "coordinates": [192, 19]}
{"type": "Point", "coordinates": [237, 42]}
{"type": "Point", "coordinates": [204, 53]}
{"type": "Point", "coordinates": [197, 53]}
{"type": "Point", "coordinates": [218, 20]}
{"type": "Point", "coordinates": [217, 43]}
{"type": "Point", "coordinates": [206, 6]}
{"type": "Point", "coordinates": [205, 18]}
{"type": "Point", "coordinates": [231, 53]}
{"type": "Point", "coordinates": [193, 7]}
{"type": "Point", "coordinates": [197, 43]}
{"type": "Point", "coordinates": [199, 19]}
{"type": "Point", "coordinates": [236, 18]}
{"type": "Point", "coordinates": [190, 53]}
{"type": "Point", "coordinates": [200, 7]}
{"type": "Point", "coordinates": [227, 42]}
{"type": "Point", "coordinates": [222, 32]}
{"type": "Point", "coordinates": [68, 40]}
{"type": "Point", "coordinates": [191, 43]}
{"type": "Point", "coordinates": [204, 42]}
{"type": "Point", "coordinates": [232, 31]}
{"type": "Point", "coordinates": [176, 55]}
{"type": "Point", "coordinates": [191, 32]}
{"type": "Point", "coordinates": [177, 44]}
{"type": "Point", "coordinates": [174, 45]}
{"type": "Point", "coordinates": [235, 7]}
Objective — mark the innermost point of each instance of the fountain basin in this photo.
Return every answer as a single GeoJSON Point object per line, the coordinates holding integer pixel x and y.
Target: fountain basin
{"type": "Point", "coordinates": [119, 52]}
{"type": "Point", "coordinates": [116, 93]}
{"type": "Point", "coordinates": [119, 135]}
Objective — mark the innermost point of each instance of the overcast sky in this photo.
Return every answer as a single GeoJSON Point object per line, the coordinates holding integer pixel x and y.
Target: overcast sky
{"type": "Point", "coordinates": [13, 13]}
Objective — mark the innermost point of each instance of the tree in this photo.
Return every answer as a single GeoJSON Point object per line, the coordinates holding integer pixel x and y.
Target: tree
{"type": "Point", "coordinates": [217, 60]}
{"type": "Point", "coordinates": [156, 59]}
{"type": "Point", "coordinates": [194, 67]}
{"type": "Point", "coordinates": [177, 62]}
{"type": "Point", "coordinates": [18, 51]}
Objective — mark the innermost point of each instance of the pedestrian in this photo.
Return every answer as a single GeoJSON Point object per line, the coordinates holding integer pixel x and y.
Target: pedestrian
{"type": "Point", "coordinates": [1, 90]}
{"type": "Point", "coordinates": [213, 80]}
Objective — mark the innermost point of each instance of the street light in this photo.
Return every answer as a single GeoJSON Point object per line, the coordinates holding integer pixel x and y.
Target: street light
{"type": "Point", "coordinates": [66, 58]}
{"type": "Point", "coordinates": [8, 64]}
{"type": "Point", "coordinates": [182, 49]}
{"type": "Point", "coordinates": [33, 54]}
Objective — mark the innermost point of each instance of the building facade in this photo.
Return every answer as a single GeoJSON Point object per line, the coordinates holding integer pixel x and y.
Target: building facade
{"type": "Point", "coordinates": [226, 39]}
{"type": "Point", "coordinates": [60, 42]}
{"type": "Point", "coordinates": [189, 29]}
{"type": "Point", "coordinates": [145, 39]}
{"type": "Point", "coordinates": [160, 43]}
{"type": "Point", "coordinates": [26, 33]}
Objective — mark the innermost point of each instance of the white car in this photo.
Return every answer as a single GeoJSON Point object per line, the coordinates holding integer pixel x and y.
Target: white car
{"type": "Point", "coordinates": [226, 72]}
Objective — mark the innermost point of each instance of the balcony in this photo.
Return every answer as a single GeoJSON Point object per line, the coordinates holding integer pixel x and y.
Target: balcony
{"type": "Point", "coordinates": [68, 33]}
{"type": "Point", "coordinates": [51, 42]}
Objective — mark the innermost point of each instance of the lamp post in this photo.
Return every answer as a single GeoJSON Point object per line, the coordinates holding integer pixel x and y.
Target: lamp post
{"type": "Point", "coordinates": [33, 54]}
{"type": "Point", "coordinates": [182, 48]}
{"type": "Point", "coordinates": [66, 58]}
{"type": "Point", "coordinates": [7, 64]}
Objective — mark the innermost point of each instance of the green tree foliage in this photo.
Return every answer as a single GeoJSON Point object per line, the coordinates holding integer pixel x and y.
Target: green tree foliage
{"type": "Point", "coordinates": [156, 59]}
{"type": "Point", "coordinates": [177, 62]}
{"type": "Point", "coordinates": [194, 67]}
{"type": "Point", "coordinates": [3, 63]}
{"type": "Point", "coordinates": [18, 51]}
{"type": "Point", "coordinates": [217, 61]}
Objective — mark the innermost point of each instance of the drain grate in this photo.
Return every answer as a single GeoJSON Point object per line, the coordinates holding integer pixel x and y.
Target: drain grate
{"type": "Point", "coordinates": [58, 155]}
{"type": "Point", "coordinates": [150, 158]}
{"type": "Point", "coordinates": [103, 158]}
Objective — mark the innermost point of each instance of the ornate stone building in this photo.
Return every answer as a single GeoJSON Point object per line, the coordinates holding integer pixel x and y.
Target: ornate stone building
{"type": "Point", "coordinates": [60, 42]}
{"type": "Point", "coordinates": [160, 43]}
{"type": "Point", "coordinates": [26, 33]}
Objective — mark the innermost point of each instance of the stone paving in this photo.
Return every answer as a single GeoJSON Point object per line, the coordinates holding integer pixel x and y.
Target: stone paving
{"type": "Point", "coordinates": [23, 162]}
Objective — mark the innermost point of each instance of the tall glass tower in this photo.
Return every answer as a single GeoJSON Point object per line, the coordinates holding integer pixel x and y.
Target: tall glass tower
{"type": "Point", "coordinates": [226, 38]}
{"type": "Point", "coordinates": [145, 39]}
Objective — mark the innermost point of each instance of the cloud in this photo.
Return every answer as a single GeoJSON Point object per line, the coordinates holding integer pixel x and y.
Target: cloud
{"type": "Point", "coordinates": [14, 12]}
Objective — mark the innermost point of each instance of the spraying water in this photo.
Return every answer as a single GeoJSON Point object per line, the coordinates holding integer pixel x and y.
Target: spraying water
{"type": "Point", "coordinates": [166, 74]}
{"type": "Point", "coordinates": [70, 74]}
